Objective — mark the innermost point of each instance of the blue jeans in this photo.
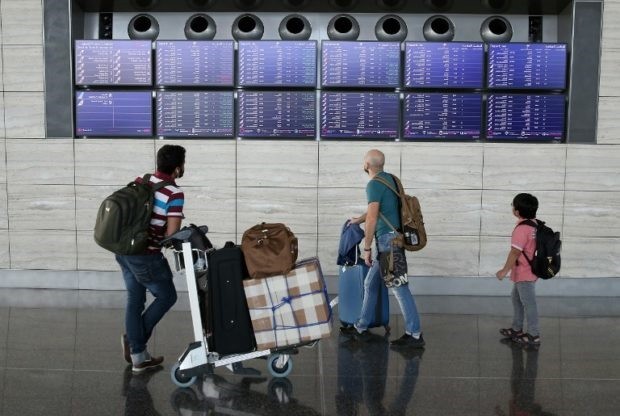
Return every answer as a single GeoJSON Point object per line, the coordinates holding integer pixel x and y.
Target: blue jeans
{"type": "Point", "coordinates": [524, 305]}
{"type": "Point", "coordinates": [402, 294]}
{"type": "Point", "coordinates": [142, 272]}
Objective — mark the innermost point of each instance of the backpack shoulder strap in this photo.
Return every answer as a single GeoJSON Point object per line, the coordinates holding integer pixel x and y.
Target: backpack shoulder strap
{"type": "Point", "coordinates": [154, 186]}
{"type": "Point", "coordinates": [384, 182]}
{"type": "Point", "coordinates": [531, 224]}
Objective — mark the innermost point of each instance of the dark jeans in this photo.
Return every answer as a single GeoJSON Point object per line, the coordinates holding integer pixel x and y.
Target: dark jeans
{"type": "Point", "coordinates": [142, 272]}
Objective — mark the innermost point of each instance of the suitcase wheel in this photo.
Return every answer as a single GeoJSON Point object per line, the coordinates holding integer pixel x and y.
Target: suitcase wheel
{"type": "Point", "coordinates": [280, 365]}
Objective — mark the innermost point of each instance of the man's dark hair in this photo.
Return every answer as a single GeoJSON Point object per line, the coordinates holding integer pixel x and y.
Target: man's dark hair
{"type": "Point", "coordinates": [526, 204]}
{"type": "Point", "coordinates": [170, 157]}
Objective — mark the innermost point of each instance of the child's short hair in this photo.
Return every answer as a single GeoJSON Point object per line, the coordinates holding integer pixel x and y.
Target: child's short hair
{"type": "Point", "coordinates": [526, 204]}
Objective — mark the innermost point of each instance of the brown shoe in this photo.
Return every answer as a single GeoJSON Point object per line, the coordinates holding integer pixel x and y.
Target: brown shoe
{"type": "Point", "coordinates": [145, 365]}
{"type": "Point", "coordinates": [126, 351]}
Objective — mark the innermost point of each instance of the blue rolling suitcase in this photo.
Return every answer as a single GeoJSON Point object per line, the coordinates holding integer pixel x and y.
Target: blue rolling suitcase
{"type": "Point", "coordinates": [351, 294]}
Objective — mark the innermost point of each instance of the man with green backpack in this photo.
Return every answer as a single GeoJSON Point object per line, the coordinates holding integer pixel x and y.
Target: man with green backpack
{"type": "Point", "coordinates": [131, 223]}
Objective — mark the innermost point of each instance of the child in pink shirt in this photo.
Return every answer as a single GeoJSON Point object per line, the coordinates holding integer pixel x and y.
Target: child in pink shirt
{"type": "Point", "coordinates": [523, 243]}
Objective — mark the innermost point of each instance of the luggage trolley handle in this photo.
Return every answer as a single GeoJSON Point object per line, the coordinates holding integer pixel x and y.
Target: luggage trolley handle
{"type": "Point", "coordinates": [184, 235]}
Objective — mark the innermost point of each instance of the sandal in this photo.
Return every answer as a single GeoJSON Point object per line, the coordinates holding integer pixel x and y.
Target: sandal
{"type": "Point", "coordinates": [511, 333]}
{"type": "Point", "coordinates": [528, 340]}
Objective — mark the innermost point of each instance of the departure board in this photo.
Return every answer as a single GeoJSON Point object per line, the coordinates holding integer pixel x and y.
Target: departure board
{"type": "Point", "coordinates": [527, 65]}
{"type": "Point", "coordinates": [113, 113]}
{"type": "Point", "coordinates": [199, 63]}
{"type": "Point", "coordinates": [439, 115]}
{"type": "Point", "coordinates": [195, 113]}
{"type": "Point", "coordinates": [444, 65]}
{"type": "Point", "coordinates": [360, 115]}
{"type": "Point", "coordinates": [360, 64]}
{"type": "Point", "coordinates": [522, 116]}
{"type": "Point", "coordinates": [277, 63]}
{"type": "Point", "coordinates": [277, 114]}
{"type": "Point", "coordinates": [113, 62]}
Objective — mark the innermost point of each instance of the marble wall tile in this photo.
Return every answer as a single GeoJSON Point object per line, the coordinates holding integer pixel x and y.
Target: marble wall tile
{"type": "Point", "coordinates": [539, 166]}
{"type": "Point", "coordinates": [608, 121]}
{"type": "Point", "coordinates": [4, 250]}
{"type": "Point", "coordinates": [610, 77]}
{"type": "Point", "coordinates": [207, 162]}
{"type": "Point", "coordinates": [328, 253]}
{"type": "Point", "coordinates": [215, 207]}
{"type": "Point", "coordinates": [341, 164]}
{"type": "Point", "coordinates": [41, 207]}
{"type": "Point", "coordinates": [2, 157]}
{"type": "Point", "coordinates": [450, 212]}
{"type": "Point", "coordinates": [112, 162]}
{"type": "Point", "coordinates": [295, 207]}
{"type": "Point", "coordinates": [308, 246]}
{"type": "Point", "coordinates": [590, 257]}
{"type": "Point", "coordinates": [19, 76]}
{"type": "Point", "coordinates": [336, 205]}
{"type": "Point", "coordinates": [277, 163]}
{"type": "Point", "coordinates": [4, 215]}
{"type": "Point", "coordinates": [592, 214]}
{"type": "Point", "coordinates": [43, 249]}
{"type": "Point", "coordinates": [24, 114]}
{"type": "Point", "coordinates": [442, 165]}
{"type": "Point", "coordinates": [17, 29]}
{"type": "Point", "coordinates": [40, 161]}
{"type": "Point", "coordinates": [92, 257]}
{"type": "Point", "coordinates": [87, 202]}
{"type": "Point", "coordinates": [2, 115]}
{"type": "Point", "coordinates": [493, 254]}
{"type": "Point", "coordinates": [611, 24]}
{"type": "Point", "coordinates": [446, 256]}
{"type": "Point", "coordinates": [593, 168]}
{"type": "Point", "coordinates": [497, 217]}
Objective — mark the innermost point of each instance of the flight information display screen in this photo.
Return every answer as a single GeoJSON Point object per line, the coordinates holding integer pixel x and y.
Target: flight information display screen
{"type": "Point", "coordinates": [277, 63]}
{"type": "Point", "coordinates": [438, 115]}
{"type": "Point", "coordinates": [360, 64]}
{"type": "Point", "coordinates": [527, 65]}
{"type": "Point", "coordinates": [113, 62]}
{"type": "Point", "coordinates": [277, 114]}
{"type": "Point", "coordinates": [444, 65]}
{"type": "Point", "coordinates": [522, 116]}
{"type": "Point", "coordinates": [195, 113]}
{"type": "Point", "coordinates": [360, 115]}
{"type": "Point", "coordinates": [185, 62]}
{"type": "Point", "coordinates": [113, 113]}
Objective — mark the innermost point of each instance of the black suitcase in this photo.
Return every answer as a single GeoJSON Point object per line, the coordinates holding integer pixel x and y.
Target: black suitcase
{"type": "Point", "coordinates": [229, 317]}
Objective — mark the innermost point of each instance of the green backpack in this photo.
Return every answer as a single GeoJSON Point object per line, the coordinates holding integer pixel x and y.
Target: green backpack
{"type": "Point", "coordinates": [124, 217]}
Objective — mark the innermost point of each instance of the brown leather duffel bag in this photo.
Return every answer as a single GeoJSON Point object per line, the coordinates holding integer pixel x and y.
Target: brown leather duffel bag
{"type": "Point", "coordinates": [269, 250]}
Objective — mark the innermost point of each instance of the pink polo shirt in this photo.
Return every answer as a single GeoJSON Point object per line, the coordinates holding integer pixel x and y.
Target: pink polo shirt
{"type": "Point", "coordinates": [523, 239]}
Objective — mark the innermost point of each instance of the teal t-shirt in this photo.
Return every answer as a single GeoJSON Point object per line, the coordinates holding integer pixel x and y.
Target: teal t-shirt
{"type": "Point", "coordinates": [388, 203]}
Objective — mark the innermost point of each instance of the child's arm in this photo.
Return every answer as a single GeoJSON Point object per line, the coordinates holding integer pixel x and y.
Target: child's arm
{"type": "Point", "coordinates": [510, 262]}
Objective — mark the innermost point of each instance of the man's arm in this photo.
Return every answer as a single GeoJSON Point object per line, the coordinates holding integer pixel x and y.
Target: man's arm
{"type": "Point", "coordinates": [173, 225]}
{"type": "Point", "coordinates": [371, 223]}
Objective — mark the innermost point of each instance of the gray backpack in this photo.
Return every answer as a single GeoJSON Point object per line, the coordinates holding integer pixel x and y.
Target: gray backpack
{"type": "Point", "coordinates": [124, 217]}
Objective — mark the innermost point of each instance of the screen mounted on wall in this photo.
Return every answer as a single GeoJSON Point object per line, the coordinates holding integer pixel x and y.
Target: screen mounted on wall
{"type": "Point", "coordinates": [194, 63]}
{"type": "Point", "coordinates": [439, 115]}
{"type": "Point", "coordinates": [277, 114]}
{"type": "Point", "coordinates": [113, 62]}
{"type": "Point", "coordinates": [360, 115]}
{"type": "Point", "coordinates": [113, 113]}
{"type": "Point", "coordinates": [195, 113]}
{"type": "Point", "coordinates": [360, 64]}
{"type": "Point", "coordinates": [277, 63]}
{"type": "Point", "coordinates": [444, 65]}
{"type": "Point", "coordinates": [527, 65]}
{"type": "Point", "coordinates": [523, 116]}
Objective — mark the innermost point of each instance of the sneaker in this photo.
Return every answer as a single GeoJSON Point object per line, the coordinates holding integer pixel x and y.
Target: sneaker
{"type": "Point", "coordinates": [348, 330]}
{"type": "Point", "coordinates": [125, 345]}
{"type": "Point", "coordinates": [145, 365]}
{"type": "Point", "coordinates": [364, 336]}
{"type": "Point", "coordinates": [409, 353]}
{"type": "Point", "coordinates": [408, 341]}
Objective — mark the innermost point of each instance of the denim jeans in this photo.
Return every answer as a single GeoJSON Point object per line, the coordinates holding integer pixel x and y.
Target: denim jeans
{"type": "Point", "coordinates": [142, 272]}
{"type": "Point", "coordinates": [402, 294]}
{"type": "Point", "coordinates": [524, 304]}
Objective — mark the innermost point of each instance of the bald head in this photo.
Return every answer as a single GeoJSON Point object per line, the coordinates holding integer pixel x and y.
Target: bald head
{"type": "Point", "coordinates": [375, 160]}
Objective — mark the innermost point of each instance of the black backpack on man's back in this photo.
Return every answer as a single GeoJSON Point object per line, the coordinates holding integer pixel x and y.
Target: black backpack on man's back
{"type": "Point", "coordinates": [124, 217]}
{"type": "Point", "coordinates": [546, 261]}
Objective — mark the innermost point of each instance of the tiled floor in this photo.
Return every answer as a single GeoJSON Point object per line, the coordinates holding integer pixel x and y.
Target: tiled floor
{"type": "Point", "coordinates": [56, 361]}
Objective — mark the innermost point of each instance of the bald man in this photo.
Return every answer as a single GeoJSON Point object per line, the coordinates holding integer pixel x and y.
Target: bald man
{"type": "Point", "coordinates": [383, 203]}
